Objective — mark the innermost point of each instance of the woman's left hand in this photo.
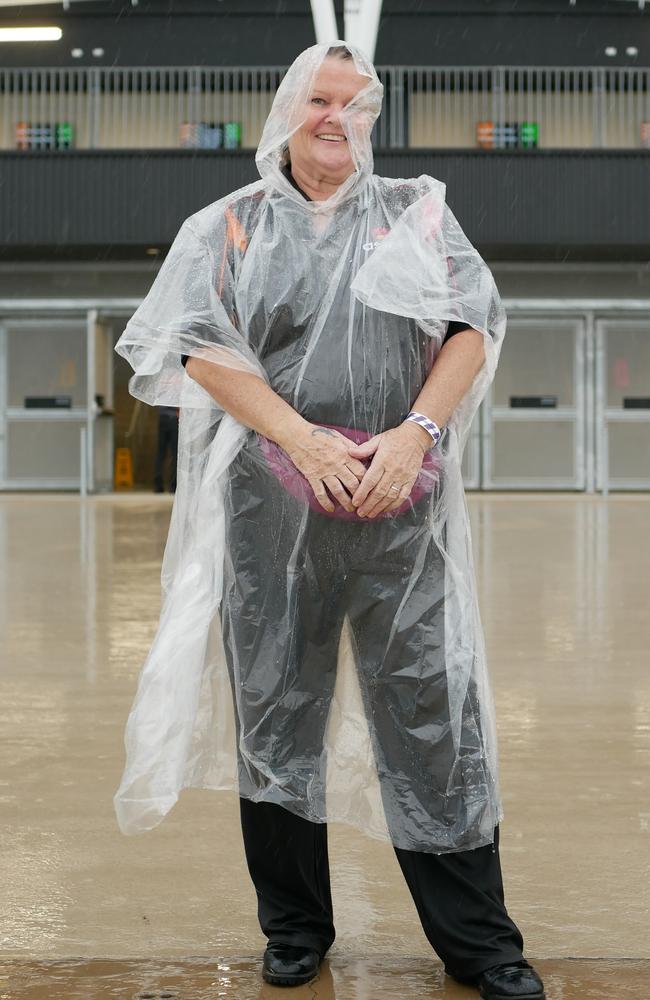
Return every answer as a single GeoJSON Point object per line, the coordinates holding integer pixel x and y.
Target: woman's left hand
{"type": "Point", "coordinates": [396, 462]}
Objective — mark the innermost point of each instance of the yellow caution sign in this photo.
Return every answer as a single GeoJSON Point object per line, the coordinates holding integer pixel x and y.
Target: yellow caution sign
{"type": "Point", "coordinates": [123, 469]}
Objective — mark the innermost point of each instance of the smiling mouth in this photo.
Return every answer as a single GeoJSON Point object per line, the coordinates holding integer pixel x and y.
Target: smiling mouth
{"type": "Point", "coordinates": [331, 137]}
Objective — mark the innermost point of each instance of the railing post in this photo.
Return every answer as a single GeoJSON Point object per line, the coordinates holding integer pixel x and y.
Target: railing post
{"type": "Point", "coordinates": [194, 96]}
{"type": "Point", "coordinates": [600, 125]}
{"type": "Point", "coordinates": [498, 95]}
{"type": "Point", "coordinates": [398, 124]}
{"type": "Point", "coordinates": [93, 90]}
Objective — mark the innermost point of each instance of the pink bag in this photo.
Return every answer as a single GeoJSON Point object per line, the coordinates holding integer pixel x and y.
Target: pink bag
{"type": "Point", "coordinates": [295, 483]}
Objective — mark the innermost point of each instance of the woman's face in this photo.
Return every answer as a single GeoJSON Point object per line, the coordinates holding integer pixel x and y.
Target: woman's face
{"type": "Point", "coordinates": [320, 143]}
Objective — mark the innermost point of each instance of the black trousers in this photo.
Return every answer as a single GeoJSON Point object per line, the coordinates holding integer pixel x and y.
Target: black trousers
{"type": "Point", "coordinates": [364, 572]}
{"type": "Point", "coordinates": [458, 897]}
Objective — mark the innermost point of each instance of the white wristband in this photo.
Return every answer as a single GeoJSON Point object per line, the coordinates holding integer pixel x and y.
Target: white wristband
{"type": "Point", "coordinates": [429, 425]}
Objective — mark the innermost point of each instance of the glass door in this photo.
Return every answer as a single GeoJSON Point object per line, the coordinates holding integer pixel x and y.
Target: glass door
{"type": "Point", "coordinates": [623, 403]}
{"type": "Point", "coordinates": [43, 402]}
{"type": "Point", "coordinates": [534, 415]}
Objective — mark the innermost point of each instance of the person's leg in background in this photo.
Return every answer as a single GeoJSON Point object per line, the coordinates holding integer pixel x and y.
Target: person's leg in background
{"type": "Point", "coordinates": [173, 452]}
{"type": "Point", "coordinates": [161, 452]}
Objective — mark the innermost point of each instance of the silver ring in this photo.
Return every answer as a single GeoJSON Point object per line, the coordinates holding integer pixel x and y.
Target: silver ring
{"type": "Point", "coordinates": [395, 487]}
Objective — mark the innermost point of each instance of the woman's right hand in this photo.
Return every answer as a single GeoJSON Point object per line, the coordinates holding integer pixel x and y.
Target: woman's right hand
{"type": "Point", "coordinates": [322, 455]}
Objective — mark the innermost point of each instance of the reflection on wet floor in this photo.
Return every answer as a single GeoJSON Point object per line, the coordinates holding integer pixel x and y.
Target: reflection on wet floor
{"type": "Point", "coordinates": [563, 587]}
{"type": "Point", "coordinates": [208, 979]}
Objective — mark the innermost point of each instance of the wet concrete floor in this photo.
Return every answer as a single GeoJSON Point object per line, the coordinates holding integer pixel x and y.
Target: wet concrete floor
{"type": "Point", "coordinates": [564, 587]}
{"type": "Point", "coordinates": [339, 979]}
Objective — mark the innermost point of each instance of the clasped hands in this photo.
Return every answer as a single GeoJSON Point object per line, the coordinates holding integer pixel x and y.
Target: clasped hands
{"type": "Point", "coordinates": [335, 467]}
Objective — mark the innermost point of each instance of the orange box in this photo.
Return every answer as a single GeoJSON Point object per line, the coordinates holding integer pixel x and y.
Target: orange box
{"type": "Point", "coordinates": [485, 135]}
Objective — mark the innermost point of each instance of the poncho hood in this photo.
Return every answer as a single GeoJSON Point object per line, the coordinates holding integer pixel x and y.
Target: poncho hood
{"type": "Point", "coordinates": [288, 114]}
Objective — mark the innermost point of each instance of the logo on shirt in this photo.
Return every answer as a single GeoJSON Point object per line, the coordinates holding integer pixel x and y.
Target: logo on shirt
{"type": "Point", "coordinates": [379, 232]}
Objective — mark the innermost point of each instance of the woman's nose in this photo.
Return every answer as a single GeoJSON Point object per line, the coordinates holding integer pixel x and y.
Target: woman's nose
{"type": "Point", "coordinates": [334, 117]}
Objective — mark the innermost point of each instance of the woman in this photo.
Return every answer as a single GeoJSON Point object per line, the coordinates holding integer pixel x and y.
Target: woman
{"type": "Point", "coordinates": [320, 614]}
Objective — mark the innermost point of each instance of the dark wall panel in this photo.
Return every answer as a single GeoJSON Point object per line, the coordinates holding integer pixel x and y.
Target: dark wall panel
{"type": "Point", "coordinates": [514, 40]}
{"type": "Point", "coordinates": [168, 41]}
{"type": "Point", "coordinates": [549, 199]}
{"type": "Point", "coordinates": [537, 205]}
{"type": "Point", "coordinates": [110, 198]}
{"type": "Point", "coordinates": [272, 32]}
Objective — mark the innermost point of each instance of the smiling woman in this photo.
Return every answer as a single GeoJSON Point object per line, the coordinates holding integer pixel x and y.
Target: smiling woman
{"type": "Point", "coordinates": [319, 156]}
{"type": "Point", "coordinates": [320, 647]}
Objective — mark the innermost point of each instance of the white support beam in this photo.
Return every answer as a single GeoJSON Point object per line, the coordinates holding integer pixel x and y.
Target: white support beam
{"type": "Point", "coordinates": [362, 24]}
{"type": "Point", "coordinates": [324, 21]}
{"type": "Point", "coordinates": [352, 17]}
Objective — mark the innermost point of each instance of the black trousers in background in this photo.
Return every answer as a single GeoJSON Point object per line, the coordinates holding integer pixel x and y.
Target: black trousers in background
{"type": "Point", "coordinates": [459, 896]}
{"type": "Point", "coordinates": [167, 442]}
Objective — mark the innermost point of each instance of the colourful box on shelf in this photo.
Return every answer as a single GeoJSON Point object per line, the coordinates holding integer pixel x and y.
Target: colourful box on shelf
{"type": "Point", "coordinates": [34, 135]}
{"type": "Point", "coordinates": [232, 135]}
{"type": "Point", "coordinates": [528, 135]}
{"type": "Point", "coordinates": [22, 135]}
{"type": "Point", "coordinates": [189, 133]}
{"type": "Point", "coordinates": [506, 135]}
{"type": "Point", "coordinates": [485, 135]}
{"type": "Point", "coordinates": [41, 136]}
{"type": "Point", "coordinates": [64, 135]}
{"type": "Point", "coordinates": [210, 135]}
{"type": "Point", "coordinates": [44, 135]}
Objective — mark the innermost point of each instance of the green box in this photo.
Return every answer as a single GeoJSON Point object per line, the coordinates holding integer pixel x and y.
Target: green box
{"type": "Point", "coordinates": [64, 134]}
{"type": "Point", "coordinates": [528, 135]}
{"type": "Point", "coordinates": [232, 135]}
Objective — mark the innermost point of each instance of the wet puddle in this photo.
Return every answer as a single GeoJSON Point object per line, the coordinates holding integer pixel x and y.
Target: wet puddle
{"type": "Point", "coordinates": [340, 979]}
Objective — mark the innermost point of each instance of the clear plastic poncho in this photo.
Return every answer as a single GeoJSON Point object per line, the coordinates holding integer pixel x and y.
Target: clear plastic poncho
{"type": "Point", "coordinates": [329, 664]}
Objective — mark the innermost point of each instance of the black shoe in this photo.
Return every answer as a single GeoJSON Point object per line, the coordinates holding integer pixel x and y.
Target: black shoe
{"type": "Point", "coordinates": [512, 981]}
{"type": "Point", "coordinates": [289, 965]}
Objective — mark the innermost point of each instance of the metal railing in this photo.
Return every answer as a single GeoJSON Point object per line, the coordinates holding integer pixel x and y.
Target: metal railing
{"type": "Point", "coordinates": [225, 107]}
{"type": "Point", "coordinates": [530, 107]}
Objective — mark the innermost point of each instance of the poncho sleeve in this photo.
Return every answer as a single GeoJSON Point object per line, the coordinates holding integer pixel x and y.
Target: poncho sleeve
{"type": "Point", "coordinates": [427, 269]}
{"type": "Point", "coordinates": [189, 310]}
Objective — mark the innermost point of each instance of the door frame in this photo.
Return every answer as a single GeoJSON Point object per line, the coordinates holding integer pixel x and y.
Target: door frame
{"type": "Point", "coordinates": [579, 412]}
{"type": "Point", "coordinates": [607, 415]}
{"type": "Point", "coordinates": [88, 313]}
{"type": "Point", "coordinates": [18, 415]}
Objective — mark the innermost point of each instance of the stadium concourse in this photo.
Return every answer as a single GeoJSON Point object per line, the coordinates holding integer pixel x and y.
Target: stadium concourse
{"type": "Point", "coordinates": [345, 274]}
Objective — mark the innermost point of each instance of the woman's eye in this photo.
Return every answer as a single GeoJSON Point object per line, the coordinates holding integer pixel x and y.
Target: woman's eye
{"type": "Point", "coordinates": [317, 100]}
